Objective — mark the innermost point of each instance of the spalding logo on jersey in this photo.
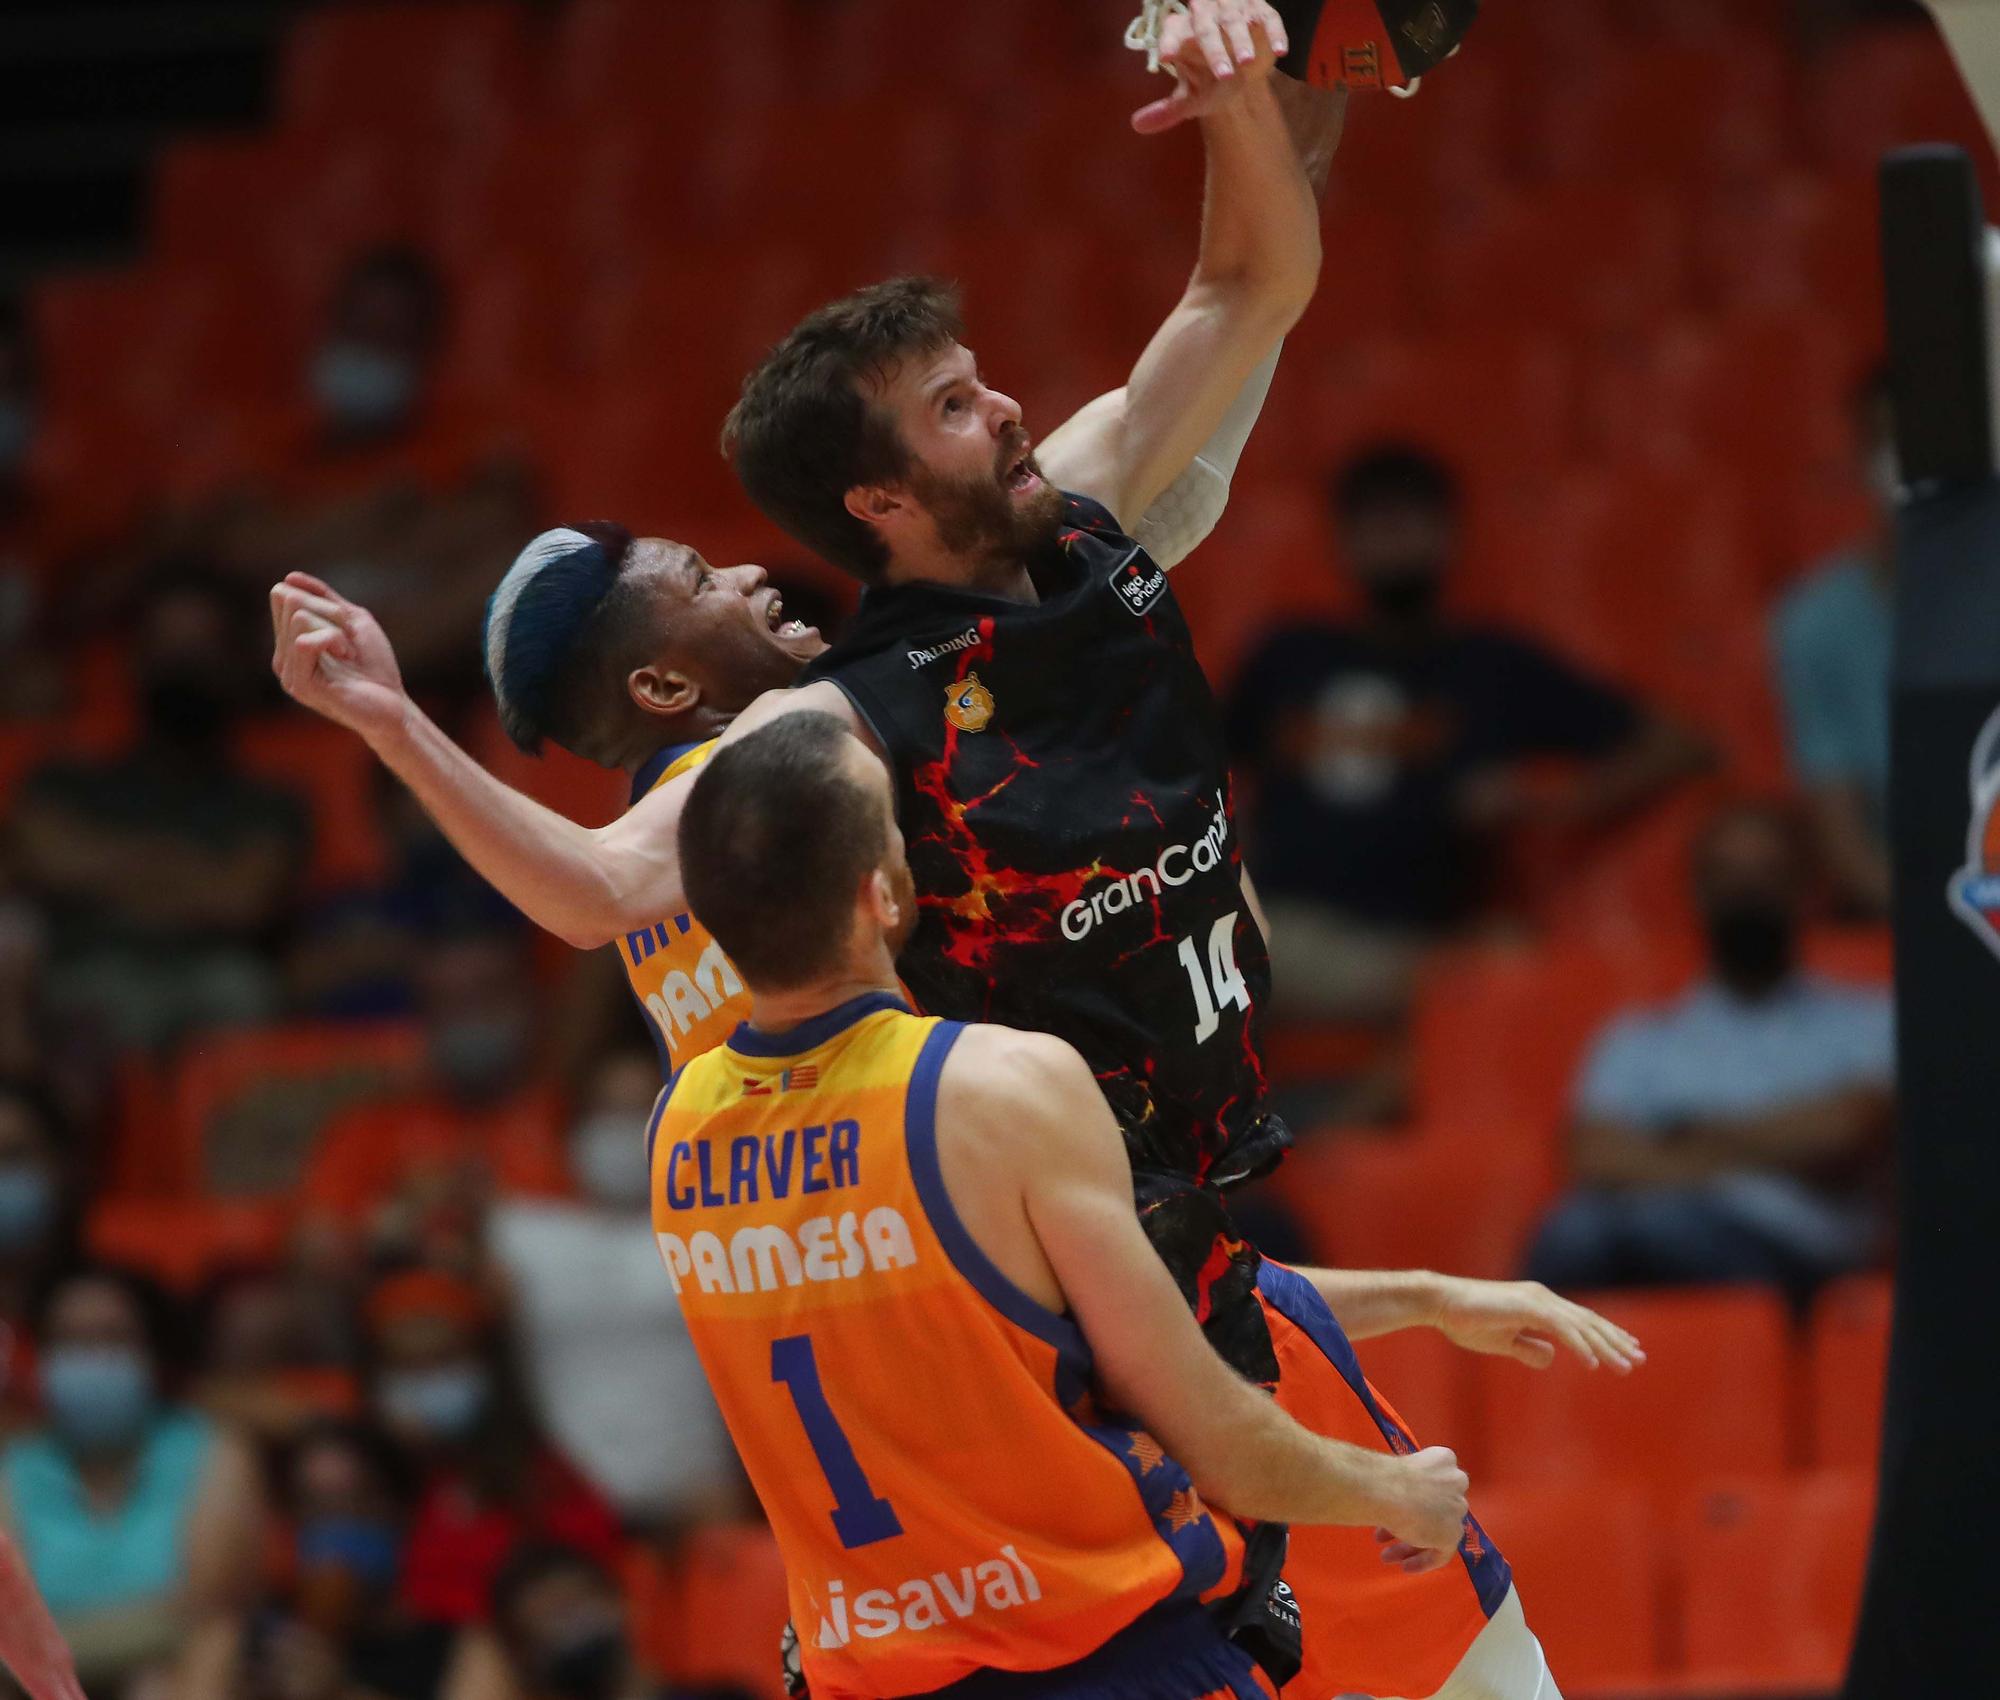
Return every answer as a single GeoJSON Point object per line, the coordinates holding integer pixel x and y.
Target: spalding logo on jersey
{"type": "Point", "coordinates": [1975, 888]}
{"type": "Point", "coordinates": [968, 704]}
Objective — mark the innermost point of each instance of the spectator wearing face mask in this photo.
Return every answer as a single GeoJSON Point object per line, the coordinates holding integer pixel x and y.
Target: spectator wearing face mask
{"type": "Point", "coordinates": [37, 1227]}
{"type": "Point", "coordinates": [1737, 1134]}
{"type": "Point", "coordinates": [370, 373]}
{"type": "Point", "coordinates": [141, 1520]}
{"type": "Point", "coordinates": [441, 1380]}
{"type": "Point", "coordinates": [1387, 751]}
{"type": "Point", "coordinates": [411, 1176]}
{"type": "Point", "coordinates": [561, 1627]}
{"type": "Point", "coordinates": [340, 1630]}
{"type": "Point", "coordinates": [167, 870]}
{"type": "Point", "coordinates": [609, 1361]}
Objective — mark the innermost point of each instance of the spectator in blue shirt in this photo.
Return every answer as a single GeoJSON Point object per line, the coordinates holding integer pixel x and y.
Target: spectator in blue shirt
{"type": "Point", "coordinates": [1830, 637]}
{"type": "Point", "coordinates": [1736, 1134]}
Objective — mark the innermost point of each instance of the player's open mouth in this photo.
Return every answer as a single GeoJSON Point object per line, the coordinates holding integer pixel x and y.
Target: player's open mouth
{"type": "Point", "coordinates": [1021, 477]}
{"type": "Point", "coordinates": [774, 618]}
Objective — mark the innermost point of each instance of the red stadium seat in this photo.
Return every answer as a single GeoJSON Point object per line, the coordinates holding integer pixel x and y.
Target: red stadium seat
{"type": "Point", "coordinates": [1630, 119]}
{"type": "Point", "coordinates": [244, 1109]}
{"type": "Point", "coordinates": [1597, 260]}
{"type": "Point", "coordinates": [1715, 1395]}
{"type": "Point", "coordinates": [734, 1606]}
{"type": "Point", "coordinates": [1876, 89]}
{"type": "Point", "coordinates": [1424, 1376]}
{"type": "Point", "coordinates": [1771, 1572]}
{"type": "Point", "coordinates": [410, 68]}
{"type": "Point", "coordinates": [1586, 1557]}
{"type": "Point", "coordinates": [1847, 1367]}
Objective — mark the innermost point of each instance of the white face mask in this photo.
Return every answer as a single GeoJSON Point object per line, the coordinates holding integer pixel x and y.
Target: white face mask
{"type": "Point", "coordinates": [608, 1152]}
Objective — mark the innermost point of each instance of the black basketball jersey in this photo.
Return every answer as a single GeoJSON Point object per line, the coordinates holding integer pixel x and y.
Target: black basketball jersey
{"type": "Point", "coordinates": [1064, 792]}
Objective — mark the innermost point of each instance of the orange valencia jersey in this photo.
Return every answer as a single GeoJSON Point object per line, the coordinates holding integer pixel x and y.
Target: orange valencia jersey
{"type": "Point", "coordinates": [689, 990]}
{"type": "Point", "coordinates": [920, 1431]}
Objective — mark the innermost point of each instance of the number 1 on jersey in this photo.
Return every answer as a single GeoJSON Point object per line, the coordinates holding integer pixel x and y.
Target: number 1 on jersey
{"type": "Point", "coordinates": [860, 1518]}
{"type": "Point", "coordinates": [1222, 972]}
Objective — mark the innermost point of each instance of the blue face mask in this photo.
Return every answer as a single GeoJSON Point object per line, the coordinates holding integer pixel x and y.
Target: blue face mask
{"type": "Point", "coordinates": [27, 1205]}
{"type": "Point", "coordinates": [361, 386]}
{"type": "Point", "coordinates": [368, 1551]}
{"type": "Point", "coordinates": [444, 1403]}
{"type": "Point", "coordinates": [97, 1396]}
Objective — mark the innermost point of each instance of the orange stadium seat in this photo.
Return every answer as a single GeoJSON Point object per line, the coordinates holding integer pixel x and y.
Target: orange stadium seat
{"type": "Point", "coordinates": [1586, 1557]}
{"type": "Point", "coordinates": [1715, 1395]}
{"type": "Point", "coordinates": [1597, 259]}
{"type": "Point", "coordinates": [655, 1607]}
{"type": "Point", "coordinates": [1500, 409]}
{"type": "Point", "coordinates": [335, 773]}
{"type": "Point", "coordinates": [182, 1242]}
{"type": "Point", "coordinates": [1771, 1574]}
{"type": "Point", "coordinates": [244, 1109]}
{"type": "Point", "coordinates": [734, 1610]}
{"type": "Point", "coordinates": [208, 191]}
{"type": "Point", "coordinates": [1762, 394]}
{"type": "Point", "coordinates": [1499, 1033]}
{"type": "Point", "coordinates": [1423, 1375]}
{"type": "Point", "coordinates": [1847, 1368]}
{"type": "Point", "coordinates": [1462, 1201]}
{"type": "Point", "coordinates": [608, 55]}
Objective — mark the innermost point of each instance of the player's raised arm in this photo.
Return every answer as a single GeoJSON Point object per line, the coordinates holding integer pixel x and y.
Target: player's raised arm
{"type": "Point", "coordinates": [1030, 1102]}
{"type": "Point", "coordinates": [586, 885]}
{"type": "Point", "coordinates": [1256, 270]}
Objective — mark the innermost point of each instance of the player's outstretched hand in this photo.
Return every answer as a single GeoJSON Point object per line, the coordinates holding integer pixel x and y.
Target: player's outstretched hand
{"type": "Point", "coordinates": [1430, 1519]}
{"type": "Point", "coordinates": [1214, 49]}
{"type": "Point", "coordinates": [331, 655]}
{"type": "Point", "coordinates": [1524, 1320]}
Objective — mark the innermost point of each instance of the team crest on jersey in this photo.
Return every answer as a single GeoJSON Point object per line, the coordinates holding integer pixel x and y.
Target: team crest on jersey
{"type": "Point", "coordinates": [1975, 888]}
{"type": "Point", "coordinates": [968, 704]}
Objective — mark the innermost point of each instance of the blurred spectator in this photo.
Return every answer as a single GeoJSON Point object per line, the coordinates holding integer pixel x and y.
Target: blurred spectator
{"type": "Point", "coordinates": [358, 952]}
{"type": "Point", "coordinates": [72, 1057]}
{"type": "Point", "coordinates": [600, 1333]}
{"type": "Point", "coordinates": [1831, 637]}
{"type": "Point", "coordinates": [1388, 752]}
{"type": "Point", "coordinates": [141, 1520]}
{"type": "Point", "coordinates": [1737, 1134]}
{"type": "Point", "coordinates": [372, 370]}
{"type": "Point", "coordinates": [560, 1621]}
{"type": "Point", "coordinates": [37, 1226]}
{"type": "Point", "coordinates": [276, 1351]}
{"type": "Point", "coordinates": [341, 1632]}
{"type": "Point", "coordinates": [166, 869]}
{"type": "Point", "coordinates": [412, 1175]}
{"type": "Point", "coordinates": [442, 1381]}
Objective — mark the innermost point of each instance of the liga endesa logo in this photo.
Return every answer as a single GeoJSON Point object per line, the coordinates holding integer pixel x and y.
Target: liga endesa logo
{"type": "Point", "coordinates": [1974, 891]}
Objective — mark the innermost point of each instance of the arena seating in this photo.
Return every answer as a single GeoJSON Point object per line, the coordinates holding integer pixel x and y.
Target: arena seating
{"type": "Point", "coordinates": [1635, 332]}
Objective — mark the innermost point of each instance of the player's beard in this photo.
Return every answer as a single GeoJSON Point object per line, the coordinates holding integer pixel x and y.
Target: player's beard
{"type": "Point", "coordinates": [978, 519]}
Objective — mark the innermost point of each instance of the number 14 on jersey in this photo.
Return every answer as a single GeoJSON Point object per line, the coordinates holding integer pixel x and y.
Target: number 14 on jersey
{"type": "Point", "coordinates": [1219, 972]}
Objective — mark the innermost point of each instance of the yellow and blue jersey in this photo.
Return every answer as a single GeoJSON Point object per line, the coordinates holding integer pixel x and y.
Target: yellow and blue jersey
{"type": "Point", "coordinates": [920, 1431]}
{"type": "Point", "coordinates": [691, 994]}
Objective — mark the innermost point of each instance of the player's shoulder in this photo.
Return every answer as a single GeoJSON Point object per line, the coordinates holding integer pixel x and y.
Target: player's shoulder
{"type": "Point", "coordinates": [1014, 1074]}
{"type": "Point", "coordinates": [1090, 516]}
